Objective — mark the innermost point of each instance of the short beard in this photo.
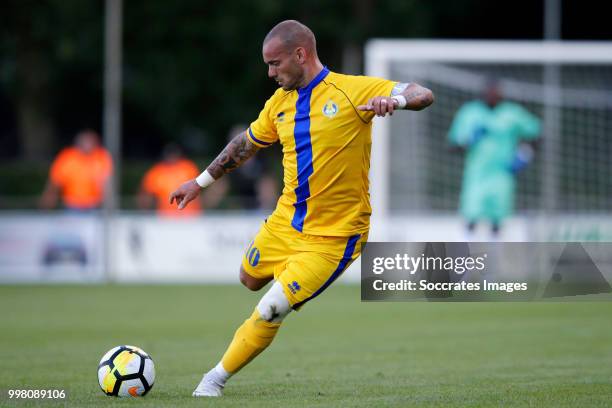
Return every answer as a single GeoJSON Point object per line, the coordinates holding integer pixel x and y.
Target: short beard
{"type": "Point", "coordinates": [294, 85]}
{"type": "Point", "coordinates": [289, 88]}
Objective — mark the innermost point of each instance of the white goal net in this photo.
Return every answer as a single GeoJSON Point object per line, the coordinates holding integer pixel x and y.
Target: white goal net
{"type": "Point", "coordinates": [567, 85]}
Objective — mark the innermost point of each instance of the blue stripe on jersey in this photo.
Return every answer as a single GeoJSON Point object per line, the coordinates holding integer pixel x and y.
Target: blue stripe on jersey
{"type": "Point", "coordinates": [303, 148]}
{"type": "Point", "coordinates": [346, 258]}
{"type": "Point", "coordinates": [257, 140]}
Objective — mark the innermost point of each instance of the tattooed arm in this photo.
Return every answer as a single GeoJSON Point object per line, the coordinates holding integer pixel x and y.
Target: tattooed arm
{"type": "Point", "coordinates": [417, 97]}
{"type": "Point", "coordinates": [239, 150]}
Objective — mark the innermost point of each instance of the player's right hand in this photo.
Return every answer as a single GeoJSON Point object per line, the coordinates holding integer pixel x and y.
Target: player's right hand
{"type": "Point", "coordinates": [381, 106]}
{"type": "Point", "coordinates": [188, 191]}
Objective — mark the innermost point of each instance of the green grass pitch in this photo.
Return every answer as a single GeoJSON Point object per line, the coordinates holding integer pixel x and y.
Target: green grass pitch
{"type": "Point", "coordinates": [336, 352]}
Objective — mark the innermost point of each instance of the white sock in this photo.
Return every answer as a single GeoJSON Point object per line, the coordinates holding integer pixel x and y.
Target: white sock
{"type": "Point", "coordinates": [220, 375]}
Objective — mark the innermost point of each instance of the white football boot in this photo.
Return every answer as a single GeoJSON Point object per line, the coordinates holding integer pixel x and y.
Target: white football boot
{"type": "Point", "coordinates": [212, 383]}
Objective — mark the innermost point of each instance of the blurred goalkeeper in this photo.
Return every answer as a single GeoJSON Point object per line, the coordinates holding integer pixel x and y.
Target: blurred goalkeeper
{"type": "Point", "coordinates": [498, 138]}
{"type": "Point", "coordinates": [323, 121]}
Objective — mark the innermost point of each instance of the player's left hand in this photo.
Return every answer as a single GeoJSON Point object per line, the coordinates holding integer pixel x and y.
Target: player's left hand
{"type": "Point", "coordinates": [381, 105]}
{"type": "Point", "coordinates": [187, 192]}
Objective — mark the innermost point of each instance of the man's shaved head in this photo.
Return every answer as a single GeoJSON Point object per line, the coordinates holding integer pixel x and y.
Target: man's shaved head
{"type": "Point", "coordinates": [293, 34]}
{"type": "Point", "coordinates": [290, 52]}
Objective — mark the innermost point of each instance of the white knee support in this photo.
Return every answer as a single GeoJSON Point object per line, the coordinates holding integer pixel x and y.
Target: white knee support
{"type": "Point", "coordinates": [274, 306]}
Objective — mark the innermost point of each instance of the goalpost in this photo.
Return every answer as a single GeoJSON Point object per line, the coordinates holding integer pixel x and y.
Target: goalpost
{"type": "Point", "coordinates": [567, 84]}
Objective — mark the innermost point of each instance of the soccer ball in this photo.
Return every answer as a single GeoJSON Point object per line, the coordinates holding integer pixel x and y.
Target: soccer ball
{"type": "Point", "coordinates": [126, 371]}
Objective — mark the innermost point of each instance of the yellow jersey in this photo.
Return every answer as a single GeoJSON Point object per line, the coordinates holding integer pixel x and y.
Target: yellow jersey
{"type": "Point", "coordinates": [326, 146]}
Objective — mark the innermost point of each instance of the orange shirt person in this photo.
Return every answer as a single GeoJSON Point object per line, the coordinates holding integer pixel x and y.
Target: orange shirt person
{"type": "Point", "coordinates": [79, 174]}
{"type": "Point", "coordinates": [161, 179]}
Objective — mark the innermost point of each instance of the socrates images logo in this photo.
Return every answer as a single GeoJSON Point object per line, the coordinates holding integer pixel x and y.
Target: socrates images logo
{"type": "Point", "coordinates": [330, 109]}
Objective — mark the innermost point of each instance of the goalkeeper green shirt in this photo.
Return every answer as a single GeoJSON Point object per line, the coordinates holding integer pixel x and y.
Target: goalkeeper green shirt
{"type": "Point", "coordinates": [490, 137]}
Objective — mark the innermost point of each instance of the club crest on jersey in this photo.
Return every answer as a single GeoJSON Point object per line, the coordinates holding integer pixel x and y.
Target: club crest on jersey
{"type": "Point", "coordinates": [280, 117]}
{"type": "Point", "coordinates": [330, 109]}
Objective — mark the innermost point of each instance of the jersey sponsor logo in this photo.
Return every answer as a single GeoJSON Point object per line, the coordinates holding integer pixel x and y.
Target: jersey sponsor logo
{"type": "Point", "coordinates": [330, 109]}
{"type": "Point", "coordinates": [294, 287]}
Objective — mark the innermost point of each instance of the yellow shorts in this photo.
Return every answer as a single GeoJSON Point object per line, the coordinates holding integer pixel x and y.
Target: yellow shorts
{"type": "Point", "coordinates": [305, 265]}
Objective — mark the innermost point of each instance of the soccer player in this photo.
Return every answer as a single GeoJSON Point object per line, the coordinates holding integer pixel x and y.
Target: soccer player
{"type": "Point", "coordinates": [496, 137]}
{"type": "Point", "coordinates": [323, 121]}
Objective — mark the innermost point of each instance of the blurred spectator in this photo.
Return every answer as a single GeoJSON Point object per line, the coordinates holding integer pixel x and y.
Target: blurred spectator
{"type": "Point", "coordinates": [254, 186]}
{"type": "Point", "coordinates": [267, 192]}
{"type": "Point", "coordinates": [493, 133]}
{"type": "Point", "coordinates": [79, 174]}
{"type": "Point", "coordinates": [161, 179]}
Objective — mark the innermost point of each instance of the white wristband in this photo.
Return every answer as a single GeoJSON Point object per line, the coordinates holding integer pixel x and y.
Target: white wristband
{"type": "Point", "coordinates": [204, 179]}
{"type": "Point", "coordinates": [401, 101]}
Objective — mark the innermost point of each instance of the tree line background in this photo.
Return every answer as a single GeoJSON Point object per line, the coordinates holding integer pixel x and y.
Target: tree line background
{"type": "Point", "coordinates": [192, 69]}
